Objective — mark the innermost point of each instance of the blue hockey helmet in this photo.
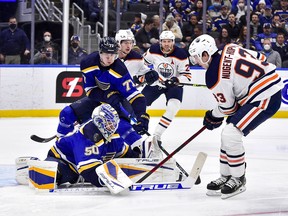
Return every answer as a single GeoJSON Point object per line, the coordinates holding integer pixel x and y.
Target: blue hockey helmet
{"type": "Point", "coordinates": [108, 45]}
{"type": "Point", "coordinates": [106, 119]}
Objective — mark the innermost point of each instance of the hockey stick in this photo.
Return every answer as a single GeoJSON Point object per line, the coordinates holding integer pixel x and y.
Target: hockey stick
{"type": "Point", "coordinates": [192, 84]}
{"type": "Point", "coordinates": [135, 187]}
{"type": "Point", "coordinates": [41, 139]}
{"type": "Point", "coordinates": [171, 155]}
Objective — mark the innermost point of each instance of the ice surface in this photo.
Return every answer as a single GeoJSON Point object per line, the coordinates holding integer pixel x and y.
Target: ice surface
{"type": "Point", "coordinates": [267, 174]}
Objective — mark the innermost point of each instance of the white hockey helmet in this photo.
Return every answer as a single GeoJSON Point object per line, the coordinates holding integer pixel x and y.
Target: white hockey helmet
{"type": "Point", "coordinates": [203, 43]}
{"type": "Point", "coordinates": [106, 119]}
{"type": "Point", "coordinates": [124, 34]}
{"type": "Point", "coordinates": [168, 35]}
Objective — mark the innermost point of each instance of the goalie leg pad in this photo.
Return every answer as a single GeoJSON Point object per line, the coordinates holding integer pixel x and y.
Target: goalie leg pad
{"type": "Point", "coordinates": [22, 169]}
{"type": "Point", "coordinates": [42, 174]}
{"type": "Point", "coordinates": [113, 177]}
{"type": "Point", "coordinates": [136, 168]}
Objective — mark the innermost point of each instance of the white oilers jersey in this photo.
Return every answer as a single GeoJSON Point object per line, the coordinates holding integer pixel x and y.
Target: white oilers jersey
{"type": "Point", "coordinates": [175, 64]}
{"type": "Point", "coordinates": [239, 76]}
{"type": "Point", "coordinates": [135, 64]}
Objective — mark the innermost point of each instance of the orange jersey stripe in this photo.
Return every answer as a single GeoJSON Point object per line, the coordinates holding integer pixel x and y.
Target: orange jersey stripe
{"type": "Point", "coordinates": [248, 118]}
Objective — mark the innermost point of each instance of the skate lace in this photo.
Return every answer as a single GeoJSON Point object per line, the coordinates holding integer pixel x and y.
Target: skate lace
{"type": "Point", "coordinates": [233, 182]}
{"type": "Point", "coordinates": [220, 180]}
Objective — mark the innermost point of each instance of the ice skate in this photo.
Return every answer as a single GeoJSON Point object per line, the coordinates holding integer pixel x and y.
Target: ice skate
{"type": "Point", "coordinates": [233, 187]}
{"type": "Point", "coordinates": [214, 187]}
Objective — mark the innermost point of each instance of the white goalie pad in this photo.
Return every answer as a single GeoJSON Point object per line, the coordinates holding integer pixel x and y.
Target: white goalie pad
{"type": "Point", "coordinates": [22, 169]}
{"type": "Point", "coordinates": [42, 174]}
{"type": "Point", "coordinates": [113, 177]}
{"type": "Point", "coordinates": [135, 168]}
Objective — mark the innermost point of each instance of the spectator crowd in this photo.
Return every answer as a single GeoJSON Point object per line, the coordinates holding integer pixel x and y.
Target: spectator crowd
{"type": "Point", "coordinates": [225, 21]}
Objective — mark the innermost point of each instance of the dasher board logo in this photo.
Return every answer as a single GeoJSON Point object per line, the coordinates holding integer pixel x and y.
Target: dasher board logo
{"type": "Point", "coordinates": [285, 92]}
{"type": "Point", "coordinates": [69, 87]}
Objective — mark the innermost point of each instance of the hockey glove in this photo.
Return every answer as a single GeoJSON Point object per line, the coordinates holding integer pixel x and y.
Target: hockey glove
{"type": "Point", "coordinates": [141, 127]}
{"type": "Point", "coordinates": [114, 99]}
{"type": "Point", "coordinates": [139, 79]}
{"type": "Point", "coordinates": [151, 77]}
{"type": "Point", "coordinates": [212, 122]}
{"type": "Point", "coordinates": [171, 82]}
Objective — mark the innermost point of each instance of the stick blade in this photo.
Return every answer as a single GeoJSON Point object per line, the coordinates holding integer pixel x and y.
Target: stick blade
{"type": "Point", "coordinates": [198, 165]}
{"type": "Point", "coordinates": [40, 139]}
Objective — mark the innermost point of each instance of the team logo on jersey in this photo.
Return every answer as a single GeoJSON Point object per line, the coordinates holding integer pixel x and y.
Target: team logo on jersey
{"type": "Point", "coordinates": [285, 92]}
{"type": "Point", "coordinates": [166, 70]}
{"type": "Point", "coordinates": [69, 87]}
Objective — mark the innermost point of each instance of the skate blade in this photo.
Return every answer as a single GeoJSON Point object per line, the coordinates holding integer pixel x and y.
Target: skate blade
{"type": "Point", "coordinates": [240, 190]}
{"type": "Point", "coordinates": [213, 193]}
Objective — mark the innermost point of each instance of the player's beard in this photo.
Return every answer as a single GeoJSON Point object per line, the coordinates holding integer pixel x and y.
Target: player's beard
{"type": "Point", "coordinates": [167, 49]}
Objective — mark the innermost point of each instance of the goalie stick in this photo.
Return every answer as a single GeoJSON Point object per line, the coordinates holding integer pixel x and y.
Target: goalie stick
{"type": "Point", "coordinates": [171, 155]}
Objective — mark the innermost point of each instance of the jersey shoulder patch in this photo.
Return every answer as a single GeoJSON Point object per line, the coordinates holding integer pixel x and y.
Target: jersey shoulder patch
{"type": "Point", "coordinates": [133, 55]}
{"type": "Point", "coordinates": [91, 132]}
{"type": "Point", "coordinates": [212, 73]}
{"type": "Point", "coordinates": [155, 49]}
{"type": "Point", "coordinates": [118, 68]}
{"type": "Point", "coordinates": [179, 53]}
{"type": "Point", "coordinates": [90, 61]}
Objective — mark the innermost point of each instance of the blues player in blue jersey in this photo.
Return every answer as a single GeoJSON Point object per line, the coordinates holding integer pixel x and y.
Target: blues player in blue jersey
{"type": "Point", "coordinates": [80, 111]}
{"type": "Point", "coordinates": [94, 143]}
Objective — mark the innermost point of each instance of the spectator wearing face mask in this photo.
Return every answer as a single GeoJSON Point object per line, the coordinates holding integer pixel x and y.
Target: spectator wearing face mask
{"type": "Point", "coordinates": [215, 8]}
{"type": "Point", "coordinates": [271, 55]}
{"type": "Point", "coordinates": [267, 33]}
{"type": "Point", "coordinates": [75, 52]}
{"type": "Point", "coordinates": [13, 43]}
{"type": "Point", "coordinates": [48, 42]}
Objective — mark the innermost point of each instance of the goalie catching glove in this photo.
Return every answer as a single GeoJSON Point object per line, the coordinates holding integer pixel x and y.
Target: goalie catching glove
{"type": "Point", "coordinates": [141, 127]}
{"type": "Point", "coordinates": [150, 77]}
{"type": "Point", "coordinates": [212, 122]}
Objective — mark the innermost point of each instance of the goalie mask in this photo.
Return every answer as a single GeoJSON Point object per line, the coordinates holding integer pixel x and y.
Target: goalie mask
{"type": "Point", "coordinates": [201, 44]}
{"type": "Point", "coordinates": [167, 41]}
{"type": "Point", "coordinates": [106, 119]}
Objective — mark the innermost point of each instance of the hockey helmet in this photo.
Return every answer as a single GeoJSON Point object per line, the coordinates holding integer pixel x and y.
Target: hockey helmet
{"type": "Point", "coordinates": [203, 43]}
{"type": "Point", "coordinates": [124, 34]}
{"type": "Point", "coordinates": [108, 45]}
{"type": "Point", "coordinates": [106, 119]}
{"type": "Point", "coordinates": [167, 35]}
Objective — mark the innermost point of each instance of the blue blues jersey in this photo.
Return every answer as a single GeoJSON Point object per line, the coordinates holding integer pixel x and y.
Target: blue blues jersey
{"type": "Point", "coordinates": [86, 148]}
{"type": "Point", "coordinates": [113, 78]}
